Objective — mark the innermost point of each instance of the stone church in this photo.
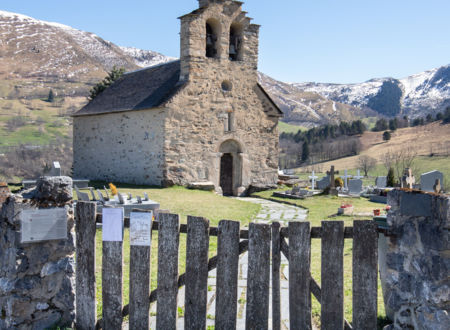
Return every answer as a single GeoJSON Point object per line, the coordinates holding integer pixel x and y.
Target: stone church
{"type": "Point", "coordinates": [203, 118]}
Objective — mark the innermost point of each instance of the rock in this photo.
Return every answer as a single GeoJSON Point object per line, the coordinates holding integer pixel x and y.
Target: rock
{"type": "Point", "coordinates": [54, 188]}
{"type": "Point", "coordinates": [42, 306]}
{"type": "Point", "coordinates": [46, 319]}
{"type": "Point", "coordinates": [63, 265]}
{"type": "Point", "coordinates": [260, 187]}
{"type": "Point", "coordinates": [207, 186]}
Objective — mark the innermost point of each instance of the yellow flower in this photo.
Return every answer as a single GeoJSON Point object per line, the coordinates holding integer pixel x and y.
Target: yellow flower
{"type": "Point", "coordinates": [113, 189]}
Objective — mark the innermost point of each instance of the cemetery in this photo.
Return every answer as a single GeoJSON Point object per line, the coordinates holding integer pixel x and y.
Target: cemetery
{"type": "Point", "coordinates": [198, 230]}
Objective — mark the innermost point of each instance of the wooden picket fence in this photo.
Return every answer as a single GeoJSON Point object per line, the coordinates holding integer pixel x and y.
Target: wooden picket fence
{"type": "Point", "coordinates": [258, 240]}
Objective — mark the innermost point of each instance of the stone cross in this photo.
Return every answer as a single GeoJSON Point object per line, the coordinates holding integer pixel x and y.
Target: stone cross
{"type": "Point", "coordinates": [409, 178]}
{"type": "Point", "coordinates": [146, 197]}
{"type": "Point", "coordinates": [346, 177]}
{"type": "Point", "coordinates": [358, 176]}
{"type": "Point", "coordinates": [313, 180]}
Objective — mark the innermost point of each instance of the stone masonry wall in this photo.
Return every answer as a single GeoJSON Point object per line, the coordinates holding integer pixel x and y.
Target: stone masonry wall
{"type": "Point", "coordinates": [120, 147]}
{"type": "Point", "coordinates": [416, 283]}
{"type": "Point", "coordinates": [195, 126]}
{"type": "Point", "coordinates": [37, 280]}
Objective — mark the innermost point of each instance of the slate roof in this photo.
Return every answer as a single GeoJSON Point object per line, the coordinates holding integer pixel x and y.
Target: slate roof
{"type": "Point", "coordinates": [144, 89]}
{"type": "Point", "coordinates": [137, 90]}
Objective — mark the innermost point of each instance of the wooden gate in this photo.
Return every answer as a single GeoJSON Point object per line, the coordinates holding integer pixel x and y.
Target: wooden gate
{"type": "Point", "coordinates": [293, 241]}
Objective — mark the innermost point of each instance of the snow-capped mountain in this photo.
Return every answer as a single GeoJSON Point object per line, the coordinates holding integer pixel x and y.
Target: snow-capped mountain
{"type": "Point", "coordinates": [415, 96]}
{"type": "Point", "coordinates": [34, 48]}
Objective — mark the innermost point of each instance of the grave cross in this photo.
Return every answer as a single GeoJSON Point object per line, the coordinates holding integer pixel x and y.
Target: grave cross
{"type": "Point", "coordinates": [410, 180]}
{"type": "Point", "coordinates": [346, 177]}
{"type": "Point", "coordinates": [331, 174]}
{"type": "Point", "coordinates": [313, 180]}
{"type": "Point", "coordinates": [358, 176]}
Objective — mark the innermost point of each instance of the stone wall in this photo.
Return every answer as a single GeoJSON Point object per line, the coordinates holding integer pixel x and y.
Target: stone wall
{"type": "Point", "coordinates": [120, 147]}
{"type": "Point", "coordinates": [37, 280]}
{"type": "Point", "coordinates": [196, 125]}
{"type": "Point", "coordinates": [416, 286]}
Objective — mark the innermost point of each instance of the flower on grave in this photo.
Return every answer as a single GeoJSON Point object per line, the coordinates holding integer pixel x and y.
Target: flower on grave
{"type": "Point", "coordinates": [113, 189]}
{"type": "Point", "coordinates": [338, 182]}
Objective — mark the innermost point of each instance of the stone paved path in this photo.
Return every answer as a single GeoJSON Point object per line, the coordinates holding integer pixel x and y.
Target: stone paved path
{"type": "Point", "coordinates": [270, 212]}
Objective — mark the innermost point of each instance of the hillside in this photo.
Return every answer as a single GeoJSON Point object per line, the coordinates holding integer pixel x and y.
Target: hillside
{"type": "Point", "coordinates": [428, 140]}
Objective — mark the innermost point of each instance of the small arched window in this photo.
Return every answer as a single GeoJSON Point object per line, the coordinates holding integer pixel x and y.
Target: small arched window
{"type": "Point", "coordinates": [235, 50]}
{"type": "Point", "coordinates": [212, 38]}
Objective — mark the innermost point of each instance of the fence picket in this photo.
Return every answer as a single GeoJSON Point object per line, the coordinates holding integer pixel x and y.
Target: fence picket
{"type": "Point", "coordinates": [365, 262]}
{"type": "Point", "coordinates": [299, 275]}
{"type": "Point", "coordinates": [112, 285]}
{"type": "Point", "coordinates": [168, 242]}
{"type": "Point", "coordinates": [85, 265]}
{"type": "Point", "coordinates": [227, 275]}
{"type": "Point", "coordinates": [258, 277]}
{"type": "Point", "coordinates": [332, 315]}
{"type": "Point", "coordinates": [276, 262]}
{"type": "Point", "coordinates": [196, 293]}
{"type": "Point", "coordinates": [139, 285]}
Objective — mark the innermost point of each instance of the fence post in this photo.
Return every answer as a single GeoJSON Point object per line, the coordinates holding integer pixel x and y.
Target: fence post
{"type": "Point", "coordinates": [332, 315]}
{"type": "Point", "coordinates": [276, 262]}
{"type": "Point", "coordinates": [85, 288]}
{"type": "Point", "coordinates": [196, 293]}
{"type": "Point", "coordinates": [140, 284]}
{"type": "Point", "coordinates": [112, 262]}
{"type": "Point", "coordinates": [227, 275]}
{"type": "Point", "coordinates": [299, 275]}
{"type": "Point", "coordinates": [365, 274]}
{"type": "Point", "coordinates": [168, 242]}
{"type": "Point", "coordinates": [258, 277]}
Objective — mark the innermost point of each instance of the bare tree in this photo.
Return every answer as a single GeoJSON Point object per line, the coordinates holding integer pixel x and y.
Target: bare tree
{"type": "Point", "coordinates": [401, 159]}
{"type": "Point", "coordinates": [366, 163]}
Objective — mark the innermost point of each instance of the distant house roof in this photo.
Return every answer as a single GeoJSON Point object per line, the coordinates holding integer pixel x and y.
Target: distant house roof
{"type": "Point", "coordinates": [137, 90]}
{"type": "Point", "coordinates": [144, 89]}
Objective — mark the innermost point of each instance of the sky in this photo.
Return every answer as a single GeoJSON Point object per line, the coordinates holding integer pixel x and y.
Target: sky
{"type": "Point", "coordinates": [335, 41]}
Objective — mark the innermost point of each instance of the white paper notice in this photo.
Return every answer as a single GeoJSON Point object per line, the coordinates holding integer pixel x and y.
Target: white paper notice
{"type": "Point", "coordinates": [112, 220]}
{"type": "Point", "coordinates": [140, 228]}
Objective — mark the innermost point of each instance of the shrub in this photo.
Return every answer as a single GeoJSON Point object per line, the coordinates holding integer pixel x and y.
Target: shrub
{"type": "Point", "coordinates": [386, 136]}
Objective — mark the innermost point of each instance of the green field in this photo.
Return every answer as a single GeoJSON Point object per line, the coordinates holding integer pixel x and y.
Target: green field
{"type": "Point", "coordinates": [289, 128]}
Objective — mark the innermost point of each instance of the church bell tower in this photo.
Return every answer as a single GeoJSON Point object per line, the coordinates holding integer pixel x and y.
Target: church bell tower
{"type": "Point", "coordinates": [218, 35]}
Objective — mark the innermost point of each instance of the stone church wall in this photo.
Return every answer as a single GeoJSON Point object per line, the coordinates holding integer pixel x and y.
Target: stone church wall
{"type": "Point", "coordinates": [120, 147]}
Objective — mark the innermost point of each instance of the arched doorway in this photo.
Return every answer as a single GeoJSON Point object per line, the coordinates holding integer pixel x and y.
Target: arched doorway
{"type": "Point", "coordinates": [230, 167]}
{"type": "Point", "coordinates": [226, 174]}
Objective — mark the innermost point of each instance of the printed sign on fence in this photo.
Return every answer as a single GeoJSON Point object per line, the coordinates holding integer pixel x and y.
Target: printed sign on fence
{"type": "Point", "coordinates": [112, 220]}
{"type": "Point", "coordinates": [140, 228]}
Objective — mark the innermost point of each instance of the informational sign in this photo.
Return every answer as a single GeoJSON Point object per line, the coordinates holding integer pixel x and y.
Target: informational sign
{"type": "Point", "coordinates": [43, 225]}
{"type": "Point", "coordinates": [140, 228]}
{"type": "Point", "coordinates": [112, 223]}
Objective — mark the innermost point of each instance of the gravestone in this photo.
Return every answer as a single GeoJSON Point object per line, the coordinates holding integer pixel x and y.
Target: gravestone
{"type": "Point", "coordinates": [313, 180]}
{"type": "Point", "coordinates": [146, 197]}
{"type": "Point", "coordinates": [55, 170]}
{"type": "Point", "coordinates": [381, 182]}
{"type": "Point", "coordinates": [408, 179]}
{"type": "Point", "coordinates": [100, 196]}
{"type": "Point", "coordinates": [121, 199]}
{"type": "Point", "coordinates": [428, 180]}
{"type": "Point", "coordinates": [346, 177]}
{"type": "Point", "coordinates": [4, 192]}
{"type": "Point", "coordinates": [355, 186]}
{"type": "Point", "coordinates": [92, 193]}
{"type": "Point", "coordinates": [323, 183]}
{"type": "Point", "coordinates": [295, 191]}
{"type": "Point", "coordinates": [130, 197]}
{"type": "Point", "coordinates": [139, 199]}
{"type": "Point", "coordinates": [358, 176]}
{"type": "Point", "coordinates": [331, 173]}
{"type": "Point", "coordinates": [106, 192]}
{"type": "Point", "coordinates": [81, 195]}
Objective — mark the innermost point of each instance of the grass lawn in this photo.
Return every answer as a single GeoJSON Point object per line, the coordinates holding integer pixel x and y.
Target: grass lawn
{"type": "Point", "coordinates": [320, 207]}
{"type": "Point", "coordinates": [180, 201]}
{"type": "Point", "coordinates": [213, 207]}
{"type": "Point", "coordinates": [289, 128]}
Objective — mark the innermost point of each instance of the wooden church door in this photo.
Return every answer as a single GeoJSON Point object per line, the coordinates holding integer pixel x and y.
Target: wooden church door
{"type": "Point", "coordinates": [226, 174]}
